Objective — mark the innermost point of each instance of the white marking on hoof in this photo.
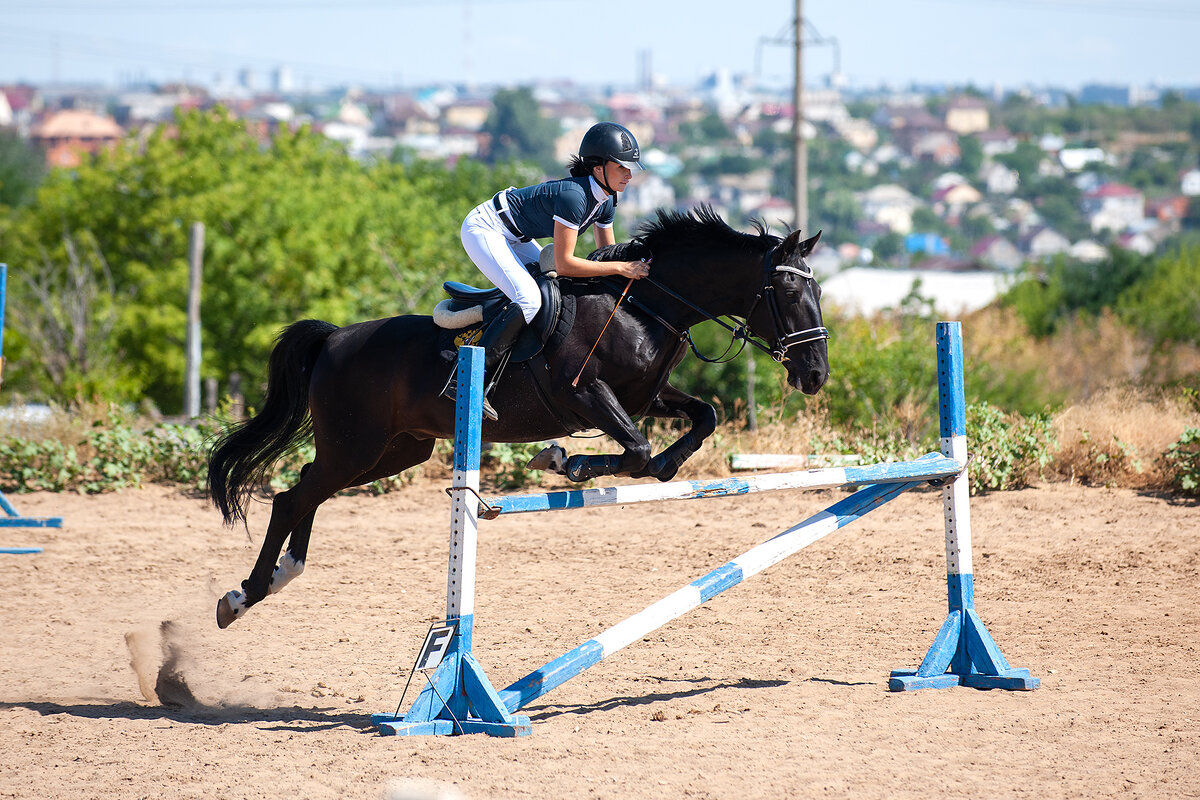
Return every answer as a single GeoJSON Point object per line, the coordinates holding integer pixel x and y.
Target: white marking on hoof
{"type": "Point", "coordinates": [231, 607]}
{"type": "Point", "coordinates": [287, 569]}
{"type": "Point", "coordinates": [551, 459]}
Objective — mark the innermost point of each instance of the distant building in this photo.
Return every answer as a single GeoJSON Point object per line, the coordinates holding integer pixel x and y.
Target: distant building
{"type": "Point", "coordinates": [1088, 250]}
{"type": "Point", "coordinates": [66, 137]}
{"type": "Point", "coordinates": [953, 200]}
{"type": "Point", "coordinates": [999, 179]}
{"type": "Point", "coordinates": [996, 142]}
{"type": "Point", "coordinates": [997, 252]}
{"type": "Point", "coordinates": [1168, 211]}
{"type": "Point", "coordinates": [889, 204]}
{"type": "Point", "coordinates": [967, 115]}
{"type": "Point", "coordinates": [858, 133]}
{"type": "Point", "coordinates": [931, 243]}
{"type": "Point", "coordinates": [1073, 159]}
{"type": "Point", "coordinates": [282, 81]}
{"type": "Point", "coordinates": [649, 192]}
{"type": "Point", "coordinates": [1140, 243]}
{"type": "Point", "coordinates": [1041, 243]}
{"type": "Point", "coordinates": [745, 192]}
{"type": "Point", "coordinates": [468, 115]}
{"type": "Point", "coordinates": [1114, 206]}
{"type": "Point", "coordinates": [1104, 94]}
{"type": "Point", "coordinates": [940, 147]}
{"type": "Point", "coordinates": [1189, 183]}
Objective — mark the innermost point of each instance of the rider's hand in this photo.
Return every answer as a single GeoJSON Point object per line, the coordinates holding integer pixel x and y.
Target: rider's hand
{"type": "Point", "coordinates": [633, 269]}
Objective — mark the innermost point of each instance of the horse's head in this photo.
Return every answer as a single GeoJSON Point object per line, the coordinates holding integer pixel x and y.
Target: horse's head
{"type": "Point", "coordinates": [790, 307]}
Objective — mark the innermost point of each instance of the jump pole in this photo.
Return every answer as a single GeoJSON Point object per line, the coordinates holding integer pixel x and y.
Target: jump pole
{"type": "Point", "coordinates": [963, 652]}
{"type": "Point", "coordinates": [11, 518]}
{"type": "Point", "coordinates": [458, 698]}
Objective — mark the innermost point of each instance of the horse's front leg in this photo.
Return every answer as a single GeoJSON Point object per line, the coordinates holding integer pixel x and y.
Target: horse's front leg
{"type": "Point", "coordinates": [598, 404]}
{"type": "Point", "coordinates": [671, 403]}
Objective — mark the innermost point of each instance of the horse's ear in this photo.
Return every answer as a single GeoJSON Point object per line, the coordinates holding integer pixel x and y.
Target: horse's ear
{"type": "Point", "coordinates": [808, 245]}
{"type": "Point", "coordinates": [792, 247]}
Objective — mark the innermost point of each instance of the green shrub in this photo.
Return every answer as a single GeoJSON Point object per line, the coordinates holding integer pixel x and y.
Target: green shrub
{"type": "Point", "coordinates": [1183, 462]}
{"type": "Point", "coordinates": [31, 466]}
{"type": "Point", "coordinates": [1010, 450]}
{"type": "Point", "coordinates": [509, 461]}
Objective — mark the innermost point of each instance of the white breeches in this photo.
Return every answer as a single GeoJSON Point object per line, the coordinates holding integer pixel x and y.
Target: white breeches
{"type": "Point", "coordinates": [501, 258]}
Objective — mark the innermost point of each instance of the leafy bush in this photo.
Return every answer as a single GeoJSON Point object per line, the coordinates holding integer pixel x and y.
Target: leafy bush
{"type": "Point", "coordinates": [1183, 462]}
{"type": "Point", "coordinates": [1010, 450]}
{"type": "Point", "coordinates": [111, 454]}
{"type": "Point", "coordinates": [30, 466]}
{"type": "Point", "coordinates": [509, 461]}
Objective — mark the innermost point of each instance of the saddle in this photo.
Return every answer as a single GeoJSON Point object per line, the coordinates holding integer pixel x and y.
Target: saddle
{"type": "Point", "coordinates": [468, 310]}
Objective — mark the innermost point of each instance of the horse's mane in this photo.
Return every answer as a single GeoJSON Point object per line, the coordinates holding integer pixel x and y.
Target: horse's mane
{"type": "Point", "coordinates": [700, 228]}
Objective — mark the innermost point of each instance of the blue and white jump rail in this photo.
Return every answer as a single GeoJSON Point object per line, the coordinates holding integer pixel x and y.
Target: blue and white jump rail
{"type": "Point", "coordinates": [460, 698]}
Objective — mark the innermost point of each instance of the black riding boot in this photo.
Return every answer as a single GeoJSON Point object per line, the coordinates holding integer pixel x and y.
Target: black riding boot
{"type": "Point", "coordinates": [497, 340]}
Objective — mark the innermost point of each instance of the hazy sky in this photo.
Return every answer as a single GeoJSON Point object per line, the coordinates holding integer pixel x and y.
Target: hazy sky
{"type": "Point", "coordinates": [408, 42]}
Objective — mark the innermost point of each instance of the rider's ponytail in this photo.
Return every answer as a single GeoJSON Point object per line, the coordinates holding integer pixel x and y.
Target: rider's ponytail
{"type": "Point", "coordinates": [580, 167]}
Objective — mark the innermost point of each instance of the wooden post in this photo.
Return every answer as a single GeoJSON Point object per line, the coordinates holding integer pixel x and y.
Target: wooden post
{"type": "Point", "coordinates": [751, 405]}
{"type": "Point", "coordinates": [191, 387]}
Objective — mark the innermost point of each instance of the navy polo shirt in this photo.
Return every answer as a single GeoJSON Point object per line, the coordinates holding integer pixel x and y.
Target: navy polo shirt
{"type": "Point", "coordinates": [575, 202]}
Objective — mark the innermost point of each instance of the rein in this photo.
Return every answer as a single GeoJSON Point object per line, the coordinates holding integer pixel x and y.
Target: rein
{"type": "Point", "coordinates": [783, 340]}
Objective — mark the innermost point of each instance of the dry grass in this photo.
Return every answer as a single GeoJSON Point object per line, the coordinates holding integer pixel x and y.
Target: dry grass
{"type": "Point", "coordinates": [1083, 358]}
{"type": "Point", "coordinates": [59, 424]}
{"type": "Point", "coordinates": [1118, 438]}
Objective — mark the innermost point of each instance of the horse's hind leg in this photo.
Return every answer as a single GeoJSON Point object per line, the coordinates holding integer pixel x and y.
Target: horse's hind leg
{"type": "Point", "coordinates": [288, 510]}
{"type": "Point", "coordinates": [291, 563]}
{"type": "Point", "coordinates": [403, 452]}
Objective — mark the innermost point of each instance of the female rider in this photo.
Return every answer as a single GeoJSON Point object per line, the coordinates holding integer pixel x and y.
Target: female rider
{"type": "Point", "coordinates": [498, 235]}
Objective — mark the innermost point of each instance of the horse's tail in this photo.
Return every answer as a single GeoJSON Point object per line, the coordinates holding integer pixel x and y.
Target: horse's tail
{"type": "Point", "coordinates": [239, 461]}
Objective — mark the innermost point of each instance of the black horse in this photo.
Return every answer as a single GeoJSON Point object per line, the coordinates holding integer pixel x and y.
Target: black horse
{"type": "Point", "coordinates": [369, 393]}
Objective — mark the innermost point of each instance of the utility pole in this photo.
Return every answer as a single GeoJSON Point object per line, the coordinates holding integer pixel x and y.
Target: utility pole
{"type": "Point", "coordinates": [800, 146]}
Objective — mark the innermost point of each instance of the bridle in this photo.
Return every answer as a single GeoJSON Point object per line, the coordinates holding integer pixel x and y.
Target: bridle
{"type": "Point", "coordinates": [783, 339]}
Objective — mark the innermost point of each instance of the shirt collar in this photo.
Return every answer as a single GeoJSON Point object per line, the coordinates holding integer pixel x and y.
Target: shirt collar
{"type": "Point", "coordinates": [597, 191]}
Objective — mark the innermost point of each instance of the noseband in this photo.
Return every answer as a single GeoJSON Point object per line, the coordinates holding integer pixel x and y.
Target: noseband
{"type": "Point", "coordinates": [783, 338]}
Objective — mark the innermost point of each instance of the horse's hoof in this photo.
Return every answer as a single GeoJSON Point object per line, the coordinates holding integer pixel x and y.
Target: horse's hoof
{"type": "Point", "coordinates": [551, 459]}
{"type": "Point", "coordinates": [230, 607]}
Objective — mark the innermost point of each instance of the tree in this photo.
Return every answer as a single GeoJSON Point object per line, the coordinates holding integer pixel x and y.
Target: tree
{"type": "Point", "coordinates": [68, 317]}
{"type": "Point", "coordinates": [1166, 303]}
{"type": "Point", "coordinates": [518, 130]}
{"type": "Point", "coordinates": [21, 169]}
{"type": "Point", "coordinates": [970, 157]}
{"type": "Point", "coordinates": [294, 229]}
{"type": "Point", "coordinates": [1025, 160]}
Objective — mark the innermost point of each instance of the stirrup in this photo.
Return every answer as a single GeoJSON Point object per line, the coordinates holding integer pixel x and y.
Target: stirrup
{"type": "Point", "coordinates": [450, 392]}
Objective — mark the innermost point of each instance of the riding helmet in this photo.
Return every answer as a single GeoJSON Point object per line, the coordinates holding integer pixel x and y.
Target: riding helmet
{"type": "Point", "coordinates": [608, 141]}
